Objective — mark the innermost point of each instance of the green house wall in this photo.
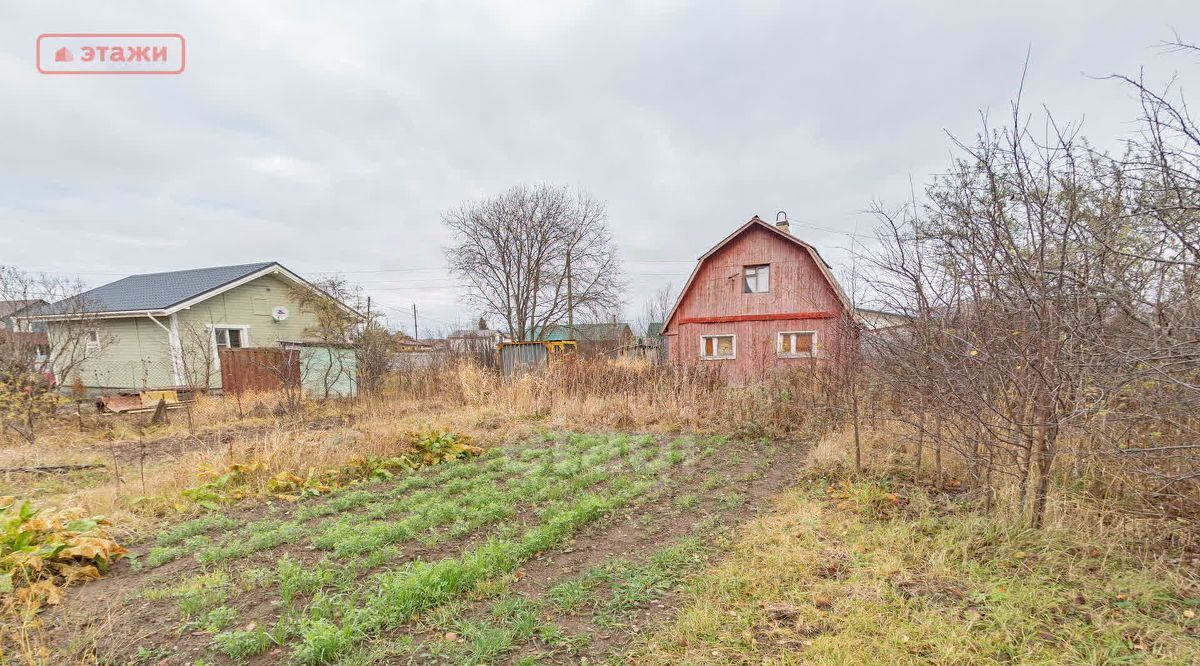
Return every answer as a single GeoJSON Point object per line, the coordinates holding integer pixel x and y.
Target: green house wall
{"type": "Point", "coordinates": [136, 354]}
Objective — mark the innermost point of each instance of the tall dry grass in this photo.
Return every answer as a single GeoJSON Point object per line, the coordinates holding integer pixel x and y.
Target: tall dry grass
{"type": "Point", "coordinates": [590, 392]}
{"type": "Point", "coordinates": [1073, 503]}
{"type": "Point", "coordinates": [145, 468]}
{"type": "Point", "coordinates": [153, 464]}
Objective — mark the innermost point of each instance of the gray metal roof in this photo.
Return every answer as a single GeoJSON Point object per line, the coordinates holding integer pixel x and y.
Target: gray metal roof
{"type": "Point", "coordinates": [154, 291]}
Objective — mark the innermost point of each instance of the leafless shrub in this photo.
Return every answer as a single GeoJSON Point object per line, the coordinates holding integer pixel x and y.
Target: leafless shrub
{"type": "Point", "coordinates": [35, 359]}
{"type": "Point", "coordinates": [1053, 292]}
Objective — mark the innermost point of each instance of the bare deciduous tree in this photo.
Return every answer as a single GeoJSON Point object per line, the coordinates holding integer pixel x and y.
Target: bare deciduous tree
{"type": "Point", "coordinates": [36, 358]}
{"type": "Point", "coordinates": [1055, 297]}
{"type": "Point", "coordinates": [535, 256]}
{"type": "Point", "coordinates": [656, 308]}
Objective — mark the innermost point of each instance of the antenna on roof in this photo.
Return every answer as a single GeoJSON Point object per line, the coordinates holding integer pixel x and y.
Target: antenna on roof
{"type": "Point", "coordinates": [781, 222]}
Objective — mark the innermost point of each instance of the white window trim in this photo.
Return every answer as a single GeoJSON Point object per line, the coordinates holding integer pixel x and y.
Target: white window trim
{"type": "Point", "coordinates": [90, 343]}
{"type": "Point", "coordinates": [731, 357]}
{"type": "Point", "coordinates": [779, 345]}
{"type": "Point", "coordinates": [212, 334]}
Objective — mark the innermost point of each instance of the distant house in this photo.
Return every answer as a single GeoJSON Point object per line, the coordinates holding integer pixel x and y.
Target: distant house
{"type": "Point", "coordinates": [605, 338]}
{"type": "Point", "coordinates": [472, 341]}
{"type": "Point", "coordinates": [165, 330]}
{"type": "Point", "coordinates": [477, 344]}
{"type": "Point", "coordinates": [882, 320]}
{"type": "Point", "coordinates": [760, 299]}
{"type": "Point", "coordinates": [656, 339]}
{"type": "Point", "coordinates": [407, 345]}
{"type": "Point", "coordinates": [11, 310]}
{"type": "Point", "coordinates": [606, 332]}
{"type": "Point", "coordinates": [27, 337]}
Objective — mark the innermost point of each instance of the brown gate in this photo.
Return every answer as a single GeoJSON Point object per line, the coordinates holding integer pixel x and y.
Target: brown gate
{"type": "Point", "coordinates": [258, 369]}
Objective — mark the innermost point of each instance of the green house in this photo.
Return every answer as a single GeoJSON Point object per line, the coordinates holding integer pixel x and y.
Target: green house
{"type": "Point", "coordinates": [166, 330]}
{"type": "Point", "coordinates": [615, 332]}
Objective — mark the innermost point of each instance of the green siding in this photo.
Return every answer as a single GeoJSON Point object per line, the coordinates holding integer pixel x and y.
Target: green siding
{"type": "Point", "coordinates": [331, 368]}
{"type": "Point", "coordinates": [248, 305]}
{"type": "Point", "coordinates": [135, 354]}
{"type": "Point", "coordinates": [138, 354]}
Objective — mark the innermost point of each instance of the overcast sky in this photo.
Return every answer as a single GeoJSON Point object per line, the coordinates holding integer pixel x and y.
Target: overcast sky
{"type": "Point", "coordinates": [331, 136]}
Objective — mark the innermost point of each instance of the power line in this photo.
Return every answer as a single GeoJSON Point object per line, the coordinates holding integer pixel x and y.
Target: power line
{"type": "Point", "coordinates": [415, 283]}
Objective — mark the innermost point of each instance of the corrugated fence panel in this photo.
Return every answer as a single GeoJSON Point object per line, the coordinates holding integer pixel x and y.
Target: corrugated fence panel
{"type": "Point", "coordinates": [258, 368]}
{"type": "Point", "coordinates": [517, 360]}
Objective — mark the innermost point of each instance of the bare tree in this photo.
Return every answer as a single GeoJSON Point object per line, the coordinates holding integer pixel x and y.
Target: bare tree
{"type": "Point", "coordinates": [535, 256]}
{"type": "Point", "coordinates": [656, 307]}
{"type": "Point", "coordinates": [199, 364]}
{"type": "Point", "coordinates": [1055, 297]}
{"type": "Point", "coordinates": [344, 318]}
{"type": "Point", "coordinates": [36, 358]}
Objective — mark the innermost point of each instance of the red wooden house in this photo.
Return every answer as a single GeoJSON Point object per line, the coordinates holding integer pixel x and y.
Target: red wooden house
{"type": "Point", "coordinates": [760, 300]}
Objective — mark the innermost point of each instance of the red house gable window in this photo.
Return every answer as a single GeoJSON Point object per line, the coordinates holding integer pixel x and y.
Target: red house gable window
{"type": "Point", "coordinates": [756, 279]}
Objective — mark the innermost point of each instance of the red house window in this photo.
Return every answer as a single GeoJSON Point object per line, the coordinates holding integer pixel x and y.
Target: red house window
{"type": "Point", "coordinates": [756, 279]}
{"type": "Point", "coordinates": [796, 343]}
{"type": "Point", "coordinates": [716, 347]}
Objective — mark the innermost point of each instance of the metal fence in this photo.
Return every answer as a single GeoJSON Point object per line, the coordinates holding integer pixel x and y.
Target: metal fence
{"type": "Point", "coordinates": [518, 359]}
{"type": "Point", "coordinates": [258, 368]}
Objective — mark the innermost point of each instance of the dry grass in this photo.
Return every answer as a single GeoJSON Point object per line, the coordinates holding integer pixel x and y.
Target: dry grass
{"type": "Point", "coordinates": [154, 463]}
{"type": "Point", "coordinates": [888, 452]}
{"type": "Point", "coordinates": [895, 584]}
{"type": "Point", "coordinates": [876, 570]}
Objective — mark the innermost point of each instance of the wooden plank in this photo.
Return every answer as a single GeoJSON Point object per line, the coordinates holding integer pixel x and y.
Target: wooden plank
{"type": "Point", "coordinates": [781, 316]}
{"type": "Point", "coordinates": [258, 368]}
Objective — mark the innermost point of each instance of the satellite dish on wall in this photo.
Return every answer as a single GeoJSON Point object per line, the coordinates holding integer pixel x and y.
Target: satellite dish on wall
{"type": "Point", "coordinates": [279, 313]}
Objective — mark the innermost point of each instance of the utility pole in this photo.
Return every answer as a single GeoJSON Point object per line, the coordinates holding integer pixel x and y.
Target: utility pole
{"type": "Point", "coordinates": [415, 336]}
{"type": "Point", "coordinates": [570, 299]}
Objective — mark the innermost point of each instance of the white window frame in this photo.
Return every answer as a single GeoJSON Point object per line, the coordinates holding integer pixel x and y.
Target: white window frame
{"type": "Point", "coordinates": [732, 355]}
{"type": "Point", "coordinates": [92, 341]}
{"type": "Point", "coordinates": [757, 278]}
{"type": "Point", "coordinates": [779, 345]}
{"type": "Point", "coordinates": [243, 329]}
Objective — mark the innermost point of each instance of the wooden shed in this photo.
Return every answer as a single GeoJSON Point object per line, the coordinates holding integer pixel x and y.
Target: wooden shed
{"type": "Point", "coordinates": [759, 300]}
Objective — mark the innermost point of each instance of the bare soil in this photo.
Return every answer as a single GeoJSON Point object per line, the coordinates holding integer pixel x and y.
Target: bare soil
{"type": "Point", "coordinates": [110, 620]}
{"type": "Point", "coordinates": [636, 534]}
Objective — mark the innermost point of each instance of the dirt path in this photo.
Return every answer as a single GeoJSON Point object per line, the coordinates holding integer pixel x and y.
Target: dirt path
{"type": "Point", "coordinates": [631, 537]}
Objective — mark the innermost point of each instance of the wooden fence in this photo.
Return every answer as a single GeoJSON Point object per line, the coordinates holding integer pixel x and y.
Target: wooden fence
{"type": "Point", "coordinates": [258, 369]}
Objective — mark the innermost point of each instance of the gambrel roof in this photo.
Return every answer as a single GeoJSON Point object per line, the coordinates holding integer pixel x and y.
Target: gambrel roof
{"type": "Point", "coordinates": [756, 221]}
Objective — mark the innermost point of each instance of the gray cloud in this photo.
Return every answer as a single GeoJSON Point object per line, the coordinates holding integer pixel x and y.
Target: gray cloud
{"type": "Point", "coordinates": [331, 137]}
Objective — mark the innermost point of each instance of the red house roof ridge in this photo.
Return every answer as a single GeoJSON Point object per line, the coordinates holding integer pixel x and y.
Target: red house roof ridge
{"type": "Point", "coordinates": [756, 220]}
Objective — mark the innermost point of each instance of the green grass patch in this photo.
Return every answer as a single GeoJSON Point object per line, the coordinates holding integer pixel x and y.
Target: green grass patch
{"type": "Point", "coordinates": [394, 597]}
{"type": "Point", "coordinates": [838, 581]}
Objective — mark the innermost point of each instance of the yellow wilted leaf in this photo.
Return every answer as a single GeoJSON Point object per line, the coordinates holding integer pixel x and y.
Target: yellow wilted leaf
{"type": "Point", "coordinates": [72, 573]}
{"type": "Point", "coordinates": [72, 513]}
{"type": "Point", "coordinates": [39, 525]}
{"type": "Point", "coordinates": [25, 560]}
{"type": "Point", "coordinates": [41, 593]}
{"type": "Point", "coordinates": [284, 481]}
{"type": "Point", "coordinates": [92, 547]}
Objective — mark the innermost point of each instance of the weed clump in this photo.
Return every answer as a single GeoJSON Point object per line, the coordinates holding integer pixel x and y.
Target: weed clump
{"type": "Point", "coordinates": [40, 551]}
